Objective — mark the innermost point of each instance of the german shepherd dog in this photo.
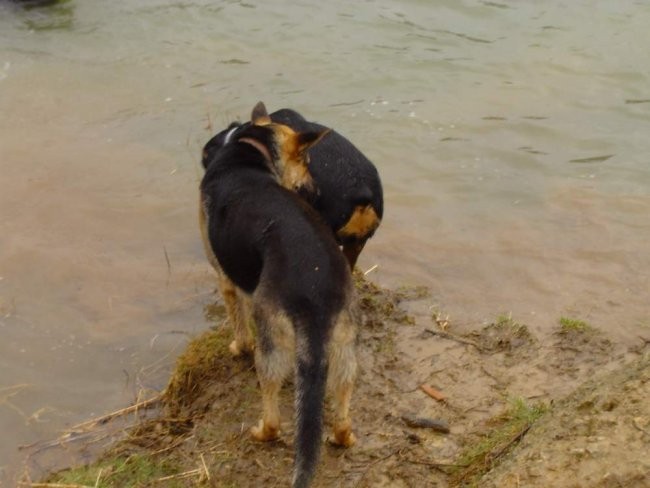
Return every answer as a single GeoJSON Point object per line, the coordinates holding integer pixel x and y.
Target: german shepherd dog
{"type": "Point", "coordinates": [278, 263]}
{"type": "Point", "coordinates": [347, 193]}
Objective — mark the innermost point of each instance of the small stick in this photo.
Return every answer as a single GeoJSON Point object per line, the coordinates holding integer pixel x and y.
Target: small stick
{"type": "Point", "coordinates": [493, 457]}
{"type": "Point", "coordinates": [207, 112]}
{"type": "Point", "coordinates": [59, 441]}
{"type": "Point", "coordinates": [169, 266]}
{"type": "Point", "coordinates": [185, 474]}
{"type": "Point", "coordinates": [205, 468]}
{"type": "Point", "coordinates": [99, 475]}
{"type": "Point", "coordinates": [434, 464]}
{"type": "Point", "coordinates": [433, 393]}
{"type": "Point", "coordinates": [426, 423]}
{"type": "Point", "coordinates": [370, 270]}
{"type": "Point", "coordinates": [105, 418]}
{"type": "Point", "coordinates": [454, 337]}
{"type": "Point", "coordinates": [53, 485]}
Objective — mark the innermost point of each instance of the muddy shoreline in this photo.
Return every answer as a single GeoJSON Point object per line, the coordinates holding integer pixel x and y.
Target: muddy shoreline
{"type": "Point", "coordinates": [520, 410]}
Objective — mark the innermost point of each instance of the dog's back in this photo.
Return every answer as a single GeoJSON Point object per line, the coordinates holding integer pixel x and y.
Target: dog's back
{"type": "Point", "coordinates": [349, 193]}
{"type": "Point", "coordinates": [264, 231]}
{"type": "Point", "coordinates": [274, 247]}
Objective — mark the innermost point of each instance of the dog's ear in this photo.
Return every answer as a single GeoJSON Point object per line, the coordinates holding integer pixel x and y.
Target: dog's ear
{"type": "Point", "coordinates": [260, 116]}
{"type": "Point", "coordinates": [309, 139]}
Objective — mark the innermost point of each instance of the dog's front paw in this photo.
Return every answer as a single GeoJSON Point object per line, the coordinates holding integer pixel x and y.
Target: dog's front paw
{"type": "Point", "coordinates": [237, 349]}
{"type": "Point", "coordinates": [263, 432]}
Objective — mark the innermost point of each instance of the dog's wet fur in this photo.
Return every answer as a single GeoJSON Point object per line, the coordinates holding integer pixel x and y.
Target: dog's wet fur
{"type": "Point", "coordinates": [347, 190]}
{"type": "Point", "coordinates": [279, 265]}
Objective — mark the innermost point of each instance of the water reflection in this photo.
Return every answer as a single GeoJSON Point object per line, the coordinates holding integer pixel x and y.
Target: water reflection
{"type": "Point", "coordinates": [44, 15]}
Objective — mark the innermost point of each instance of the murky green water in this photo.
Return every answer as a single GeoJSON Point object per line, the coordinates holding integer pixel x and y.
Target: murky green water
{"type": "Point", "coordinates": [512, 139]}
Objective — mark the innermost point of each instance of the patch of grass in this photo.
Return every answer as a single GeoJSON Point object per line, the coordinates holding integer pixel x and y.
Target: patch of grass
{"type": "Point", "coordinates": [508, 429]}
{"type": "Point", "coordinates": [514, 330]}
{"type": "Point", "coordinates": [568, 324]}
{"type": "Point", "coordinates": [506, 321]}
{"type": "Point", "coordinates": [505, 334]}
{"type": "Point", "coordinates": [195, 366]}
{"type": "Point", "coordinates": [120, 472]}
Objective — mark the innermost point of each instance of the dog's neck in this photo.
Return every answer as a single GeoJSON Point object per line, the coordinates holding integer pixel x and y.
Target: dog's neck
{"type": "Point", "coordinates": [262, 149]}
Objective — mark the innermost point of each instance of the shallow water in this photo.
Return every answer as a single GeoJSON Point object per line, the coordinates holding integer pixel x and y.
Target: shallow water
{"type": "Point", "coordinates": [512, 139]}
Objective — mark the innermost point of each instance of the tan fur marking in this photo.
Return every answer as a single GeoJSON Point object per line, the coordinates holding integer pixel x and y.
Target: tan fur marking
{"type": "Point", "coordinates": [292, 161]}
{"type": "Point", "coordinates": [291, 146]}
{"type": "Point", "coordinates": [272, 366]}
{"type": "Point", "coordinates": [244, 343]}
{"type": "Point", "coordinates": [268, 428]}
{"type": "Point", "coordinates": [364, 221]}
{"type": "Point", "coordinates": [341, 376]}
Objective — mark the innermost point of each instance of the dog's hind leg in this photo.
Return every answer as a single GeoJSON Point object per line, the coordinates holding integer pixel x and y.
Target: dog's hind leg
{"type": "Point", "coordinates": [238, 313]}
{"type": "Point", "coordinates": [235, 306]}
{"type": "Point", "coordinates": [273, 363]}
{"type": "Point", "coordinates": [341, 376]}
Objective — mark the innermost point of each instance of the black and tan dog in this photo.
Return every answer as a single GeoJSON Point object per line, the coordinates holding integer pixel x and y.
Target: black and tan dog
{"type": "Point", "coordinates": [347, 193]}
{"type": "Point", "coordinates": [277, 261]}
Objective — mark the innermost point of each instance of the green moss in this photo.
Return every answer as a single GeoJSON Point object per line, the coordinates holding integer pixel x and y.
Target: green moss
{"type": "Point", "coordinates": [120, 472]}
{"type": "Point", "coordinates": [568, 324]}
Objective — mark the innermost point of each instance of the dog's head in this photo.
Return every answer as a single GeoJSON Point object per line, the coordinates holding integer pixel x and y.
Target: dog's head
{"type": "Point", "coordinates": [290, 150]}
{"type": "Point", "coordinates": [285, 150]}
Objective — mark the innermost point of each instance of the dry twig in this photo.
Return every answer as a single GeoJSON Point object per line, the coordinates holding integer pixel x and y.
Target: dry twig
{"type": "Point", "coordinates": [53, 485]}
{"type": "Point", "coordinates": [184, 474]}
{"type": "Point", "coordinates": [492, 457]}
{"type": "Point", "coordinates": [454, 337]}
{"type": "Point", "coordinates": [433, 464]}
{"type": "Point", "coordinates": [433, 393]}
{"type": "Point", "coordinates": [118, 413]}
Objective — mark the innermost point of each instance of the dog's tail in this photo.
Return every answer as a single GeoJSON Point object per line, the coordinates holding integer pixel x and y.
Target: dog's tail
{"type": "Point", "coordinates": [311, 379]}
